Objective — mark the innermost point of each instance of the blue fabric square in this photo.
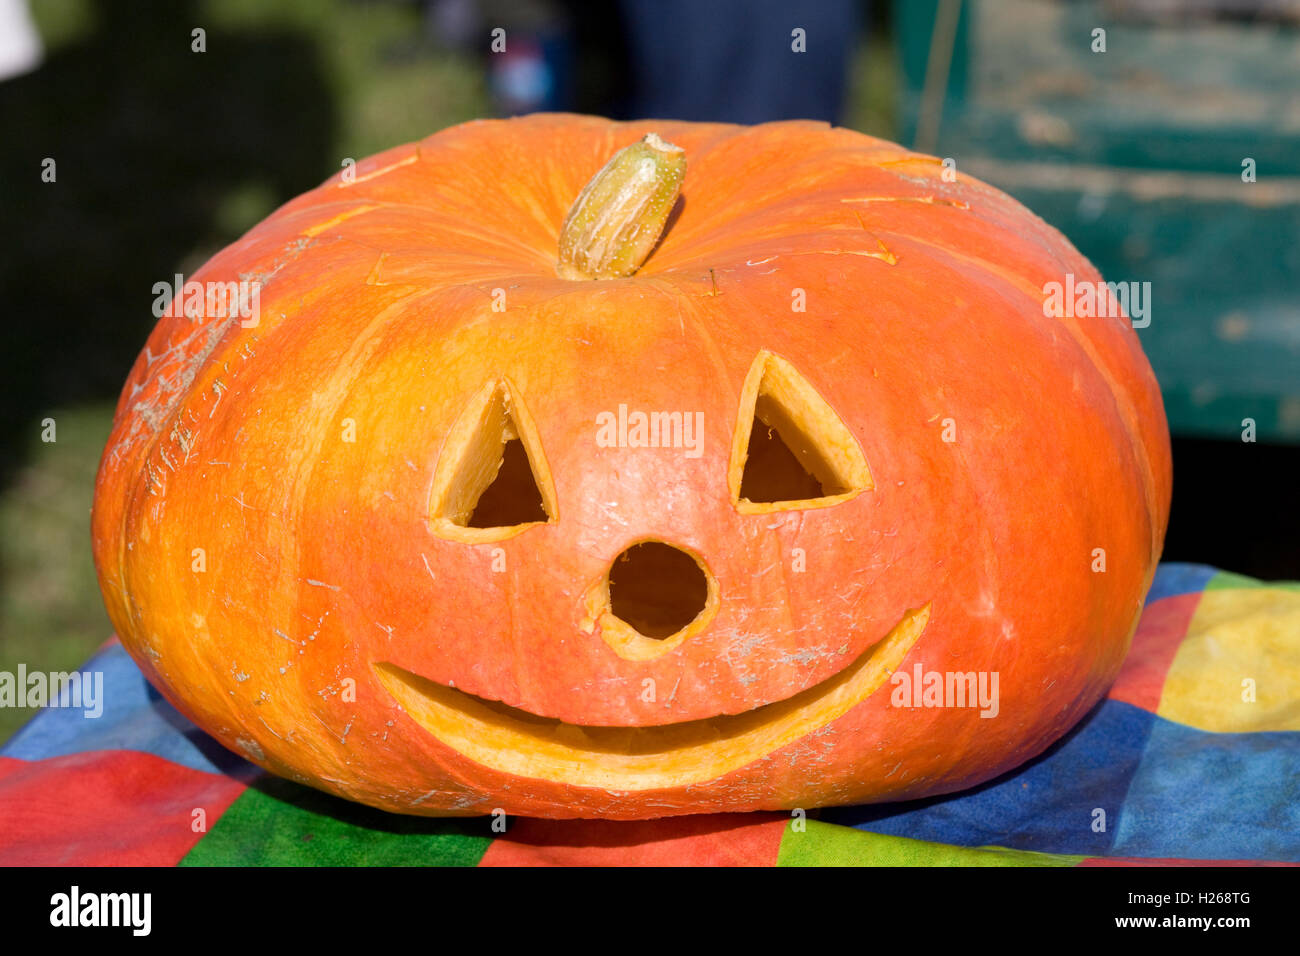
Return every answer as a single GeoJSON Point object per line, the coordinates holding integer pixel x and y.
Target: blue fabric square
{"type": "Point", "coordinates": [1202, 795]}
{"type": "Point", "coordinates": [1046, 805]}
{"type": "Point", "coordinates": [1174, 579]}
{"type": "Point", "coordinates": [135, 717]}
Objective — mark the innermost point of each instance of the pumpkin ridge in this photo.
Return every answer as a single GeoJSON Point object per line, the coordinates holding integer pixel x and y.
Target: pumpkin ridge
{"type": "Point", "coordinates": [443, 229]}
{"type": "Point", "coordinates": [1126, 410]}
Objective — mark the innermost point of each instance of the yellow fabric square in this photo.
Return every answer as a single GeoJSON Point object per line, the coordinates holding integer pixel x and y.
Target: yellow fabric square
{"type": "Point", "coordinates": [1235, 636]}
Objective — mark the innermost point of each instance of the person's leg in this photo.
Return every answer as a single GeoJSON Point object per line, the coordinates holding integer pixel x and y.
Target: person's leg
{"type": "Point", "coordinates": [736, 60]}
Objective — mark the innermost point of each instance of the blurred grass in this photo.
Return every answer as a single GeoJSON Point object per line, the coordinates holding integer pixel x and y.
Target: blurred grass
{"type": "Point", "coordinates": [390, 85]}
{"type": "Point", "coordinates": [51, 615]}
{"type": "Point", "coordinates": [872, 103]}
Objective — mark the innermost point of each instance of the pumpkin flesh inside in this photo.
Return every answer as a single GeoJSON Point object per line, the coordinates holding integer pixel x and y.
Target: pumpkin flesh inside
{"type": "Point", "coordinates": [641, 758]}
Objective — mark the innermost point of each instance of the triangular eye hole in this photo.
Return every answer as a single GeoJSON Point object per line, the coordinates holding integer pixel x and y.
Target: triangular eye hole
{"type": "Point", "coordinates": [790, 450]}
{"type": "Point", "coordinates": [492, 480]}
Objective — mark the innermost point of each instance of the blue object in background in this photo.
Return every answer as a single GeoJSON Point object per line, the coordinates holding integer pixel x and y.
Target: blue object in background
{"type": "Point", "coordinates": [733, 61]}
{"type": "Point", "coordinates": [533, 74]}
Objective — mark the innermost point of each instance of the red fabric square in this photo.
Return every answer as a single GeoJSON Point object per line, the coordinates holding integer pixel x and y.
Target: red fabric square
{"type": "Point", "coordinates": [1164, 625]}
{"type": "Point", "coordinates": [737, 839]}
{"type": "Point", "coordinates": [105, 807]}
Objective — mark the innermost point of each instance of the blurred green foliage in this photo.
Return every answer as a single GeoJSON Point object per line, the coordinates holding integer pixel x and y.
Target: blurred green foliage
{"type": "Point", "coordinates": [51, 616]}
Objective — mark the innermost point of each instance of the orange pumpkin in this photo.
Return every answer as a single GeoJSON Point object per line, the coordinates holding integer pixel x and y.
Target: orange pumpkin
{"type": "Point", "coordinates": [449, 524]}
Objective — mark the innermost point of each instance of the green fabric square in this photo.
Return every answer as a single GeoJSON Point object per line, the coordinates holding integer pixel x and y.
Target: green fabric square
{"type": "Point", "coordinates": [279, 823]}
{"type": "Point", "coordinates": [827, 844]}
{"type": "Point", "coordinates": [1227, 580]}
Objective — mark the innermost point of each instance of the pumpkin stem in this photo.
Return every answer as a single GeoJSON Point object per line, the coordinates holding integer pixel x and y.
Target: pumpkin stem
{"type": "Point", "coordinates": [618, 217]}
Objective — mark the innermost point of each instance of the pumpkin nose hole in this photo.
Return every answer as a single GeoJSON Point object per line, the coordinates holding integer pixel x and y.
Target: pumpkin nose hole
{"type": "Point", "coordinates": [657, 590]}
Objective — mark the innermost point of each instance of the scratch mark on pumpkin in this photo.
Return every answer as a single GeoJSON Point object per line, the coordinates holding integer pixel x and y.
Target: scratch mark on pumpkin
{"type": "Point", "coordinates": [250, 748]}
{"type": "Point", "coordinates": [157, 483]}
{"type": "Point", "coordinates": [375, 270]}
{"type": "Point", "coordinates": [316, 630]}
{"type": "Point", "coordinates": [911, 159]}
{"type": "Point", "coordinates": [153, 412]}
{"type": "Point", "coordinates": [743, 648]}
{"type": "Point", "coordinates": [467, 800]}
{"type": "Point", "coordinates": [884, 255]}
{"type": "Point", "coordinates": [185, 438]}
{"type": "Point", "coordinates": [713, 278]}
{"type": "Point", "coordinates": [323, 724]}
{"type": "Point", "coordinates": [606, 506]}
{"type": "Point", "coordinates": [381, 171]}
{"type": "Point", "coordinates": [427, 568]}
{"type": "Point", "coordinates": [927, 200]}
{"type": "Point", "coordinates": [851, 589]}
{"type": "Point", "coordinates": [321, 584]}
{"type": "Point", "coordinates": [806, 655]}
{"type": "Point", "coordinates": [180, 362]}
{"type": "Point", "coordinates": [316, 230]}
{"type": "Point", "coordinates": [218, 389]}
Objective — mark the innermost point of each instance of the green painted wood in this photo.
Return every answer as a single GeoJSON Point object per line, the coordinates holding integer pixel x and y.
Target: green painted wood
{"type": "Point", "coordinates": [1224, 333]}
{"type": "Point", "coordinates": [1136, 155]}
{"type": "Point", "coordinates": [913, 26]}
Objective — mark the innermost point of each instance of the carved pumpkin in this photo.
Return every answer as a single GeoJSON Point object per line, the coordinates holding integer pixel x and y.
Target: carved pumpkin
{"type": "Point", "coordinates": [495, 503]}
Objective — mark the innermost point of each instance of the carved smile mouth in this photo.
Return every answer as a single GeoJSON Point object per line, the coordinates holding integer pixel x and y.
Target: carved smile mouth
{"type": "Point", "coordinates": [517, 742]}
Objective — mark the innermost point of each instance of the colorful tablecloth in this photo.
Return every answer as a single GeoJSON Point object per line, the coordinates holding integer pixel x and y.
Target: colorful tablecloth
{"type": "Point", "coordinates": [1193, 756]}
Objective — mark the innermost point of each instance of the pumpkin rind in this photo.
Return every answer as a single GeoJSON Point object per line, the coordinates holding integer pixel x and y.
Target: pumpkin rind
{"type": "Point", "coordinates": [321, 562]}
